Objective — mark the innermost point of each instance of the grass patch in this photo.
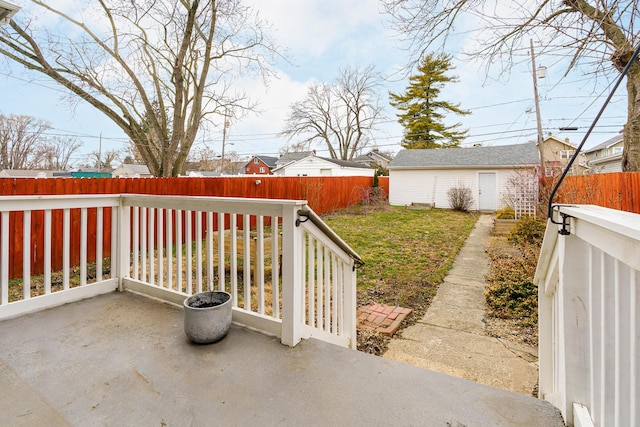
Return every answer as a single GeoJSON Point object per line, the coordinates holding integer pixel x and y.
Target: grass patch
{"type": "Point", "coordinates": [407, 254]}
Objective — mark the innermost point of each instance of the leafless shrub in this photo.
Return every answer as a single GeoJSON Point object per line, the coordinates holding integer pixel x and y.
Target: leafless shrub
{"type": "Point", "coordinates": [460, 198]}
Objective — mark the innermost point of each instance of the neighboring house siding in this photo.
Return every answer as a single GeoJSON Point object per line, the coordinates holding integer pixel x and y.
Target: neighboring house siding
{"type": "Point", "coordinates": [606, 157]}
{"type": "Point", "coordinates": [608, 165]}
{"type": "Point", "coordinates": [314, 166]}
{"type": "Point", "coordinates": [259, 168]}
{"type": "Point", "coordinates": [432, 186]}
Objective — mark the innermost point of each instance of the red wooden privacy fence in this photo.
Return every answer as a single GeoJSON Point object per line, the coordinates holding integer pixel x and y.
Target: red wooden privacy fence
{"type": "Point", "coordinates": [324, 194]}
{"type": "Point", "coordinates": [611, 190]}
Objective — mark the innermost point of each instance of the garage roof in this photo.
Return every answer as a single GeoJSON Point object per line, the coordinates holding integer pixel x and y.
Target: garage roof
{"type": "Point", "coordinates": [516, 155]}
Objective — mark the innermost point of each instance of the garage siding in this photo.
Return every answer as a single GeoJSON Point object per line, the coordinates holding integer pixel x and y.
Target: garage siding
{"type": "Point", "coordinates": [431, 186]}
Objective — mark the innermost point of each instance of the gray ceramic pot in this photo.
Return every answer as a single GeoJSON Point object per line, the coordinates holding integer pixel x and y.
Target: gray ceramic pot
{"type": "Point", "coordinates": [207, 316]}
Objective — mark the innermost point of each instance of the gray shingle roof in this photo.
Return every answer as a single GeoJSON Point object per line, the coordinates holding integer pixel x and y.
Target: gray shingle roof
{"type": "Point", "coordinates": [500, 155]}
{"type": "Point", "coordinates": [605, 144]}
{"type": "Point", "coordinates": [346, 163]}
{"type": "Point", "coordinates": [268, 160]}
{"type": "Point", "coordinates": [292, 157]}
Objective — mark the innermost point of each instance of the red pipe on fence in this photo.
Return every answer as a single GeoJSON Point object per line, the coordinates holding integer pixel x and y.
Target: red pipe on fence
{"type": "Point", "coordinates": [324, 194]}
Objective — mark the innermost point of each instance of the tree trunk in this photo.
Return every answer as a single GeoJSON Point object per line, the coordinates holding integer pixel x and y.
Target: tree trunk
{"type": "Point", "coordinates": [631, 151]}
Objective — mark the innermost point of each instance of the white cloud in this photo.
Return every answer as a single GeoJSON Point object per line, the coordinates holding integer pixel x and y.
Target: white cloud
{"type": "Point", "coordinates": [311, 28]}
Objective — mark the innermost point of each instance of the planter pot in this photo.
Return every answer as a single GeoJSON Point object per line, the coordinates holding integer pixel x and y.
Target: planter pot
{"type": "Point", "coordinates": [207, 316]}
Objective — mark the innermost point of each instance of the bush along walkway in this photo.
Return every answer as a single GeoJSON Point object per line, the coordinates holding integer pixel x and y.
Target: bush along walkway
{"type": "Point", "coordinates": [451, 338]}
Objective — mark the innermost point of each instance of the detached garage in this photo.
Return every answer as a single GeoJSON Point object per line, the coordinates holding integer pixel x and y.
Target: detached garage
{"type": "Point", "coordinates": [425, 176]}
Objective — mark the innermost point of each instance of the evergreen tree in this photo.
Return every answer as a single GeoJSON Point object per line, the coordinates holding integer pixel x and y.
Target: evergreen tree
{"type": "Point", "coordinates": [422, 113]}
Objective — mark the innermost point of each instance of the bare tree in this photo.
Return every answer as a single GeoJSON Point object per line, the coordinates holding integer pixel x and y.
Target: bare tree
{"type": "Point", "coordinates": [341, 115]}
{"type": "Point", "coordinates": [102, 159]}
{"type": "Point", "coordinates": [206, 158]}
{"type": "Point", "coordinates": [155, 68]}
{"type": "Point", "coordinates": [295, 147]}
{"type": "Point", "coordinates": [55, 153]}
{"type": "Point", "coordinates": [591, 33]}
{"type": "Point", "coordinates": [20, 138]}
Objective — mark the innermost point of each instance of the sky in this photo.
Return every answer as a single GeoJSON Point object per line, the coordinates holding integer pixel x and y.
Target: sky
{"type": "Point", "coordinates": [321, 37]}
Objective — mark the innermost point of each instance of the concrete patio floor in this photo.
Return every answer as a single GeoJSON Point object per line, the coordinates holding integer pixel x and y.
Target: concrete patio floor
{"type": "Point", "coordinates": [123, 360]}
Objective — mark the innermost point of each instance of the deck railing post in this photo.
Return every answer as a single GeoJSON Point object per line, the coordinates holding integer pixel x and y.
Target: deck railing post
{"type": "Point", "coordinates": [292, 278]}
{"type": "Point", "coordinates": [573, 323]}
{"type": "Point", "coordinates": [349, 302]}
{"type": "Point", "coordinates": [123, 246]}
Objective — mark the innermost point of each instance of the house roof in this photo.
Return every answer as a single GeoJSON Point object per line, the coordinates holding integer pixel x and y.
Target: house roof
{"type": "Point", "coordinates": [26, 173]}
{"type": "Point", "coordinates": [136, 169]}
{"type": "Point", "coordinates": [267, 160]}
{"type": "Point", "coordinates": [608, 143]}
{"type": "Point", "coordinates": [374, 157]}
{"type": "Point", "coordinates": [292, 157]}
{"type": "Point", "coordinates": [447, 158]}
{"type": "Point", "coordinates": [346, 163]}
{"type": "Point", "coordinates": [341, 163]}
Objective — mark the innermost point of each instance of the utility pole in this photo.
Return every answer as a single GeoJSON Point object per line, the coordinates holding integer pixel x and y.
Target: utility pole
{"type": "Point", "coordinates": [100, 153]}
{"type": "Point", "coordinates": [224, 139]}
{"type": "Point", "coordinates": [537, 103]}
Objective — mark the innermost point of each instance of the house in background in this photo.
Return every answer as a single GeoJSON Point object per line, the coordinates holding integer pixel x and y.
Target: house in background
{"type": "Point", "coordinates": [605, 157]}
{"type": "Point", "coordinates": [322, 166]}
{"type": "Point", "coordinates": [292, 157]}
{"type": "Point", "coordinates": [260, 165]}
{"type": "Point", "coordinates": [557, 154]}
{"type": "Point", "coordinates": [26, 173]}
{"type": "Point", "coordinates": [201, 174]}
{"type": "Point", "coordinates": [425, 176]}
{"type": "Point", "coordinates": [374, 159]}
{"type": "Point", "coordinates": [132, 171]}
{"type": "Point", "coordinates": [233, 168]}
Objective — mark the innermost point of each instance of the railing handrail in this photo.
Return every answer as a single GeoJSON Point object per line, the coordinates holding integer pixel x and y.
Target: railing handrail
{"type": "Point", "coordinates": [625, 223]}
{"type": "Point", "coordinates": [300, 261]}
{"type": "Point", "coordinates": [75, 201]}
{"type": "Point", "coordinates": [318, 222]}
{"type": "Point", "coordinates": [235, 205]}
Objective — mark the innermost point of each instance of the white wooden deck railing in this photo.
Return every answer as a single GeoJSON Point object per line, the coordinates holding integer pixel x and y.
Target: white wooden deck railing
{"type": "Point", "coordinates": [589, 318]}
{"type": "Point", "coordinates": [288, 276]}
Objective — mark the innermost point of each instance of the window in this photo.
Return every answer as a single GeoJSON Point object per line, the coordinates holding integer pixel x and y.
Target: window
{"type": "Point", "coordinates": [548, 171]}
{"type": "Point", "coordinates": [617, 150]}
{"type": "Point", "coordinates": [255, 161]}
{"type": "Point", "coordinates": [566, 154]}
{"type": "Point", "coordinates": [261, 170]}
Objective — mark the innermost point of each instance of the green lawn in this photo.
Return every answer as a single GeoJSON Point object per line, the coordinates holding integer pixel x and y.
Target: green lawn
{"type": "Point", "coordinates": [407, 253]}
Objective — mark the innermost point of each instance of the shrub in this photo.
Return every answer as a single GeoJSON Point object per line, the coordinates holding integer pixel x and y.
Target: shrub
{"type": "Point", "coordinates": [460, 198]}
{"type": "Point", "coordinates": [528, 230]}
{"type": "Point", "coordinates": [506, 213]}
{"type": "Point", "coordinates": [511, 293]}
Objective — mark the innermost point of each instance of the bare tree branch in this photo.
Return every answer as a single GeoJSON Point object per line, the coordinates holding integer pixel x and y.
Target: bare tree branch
{"type": "Point", "coordinates": [155, 68]}
{"type": "Point", "coordinates": [340, 116]}
{"type": "Point", "coordinates": [592, 33]}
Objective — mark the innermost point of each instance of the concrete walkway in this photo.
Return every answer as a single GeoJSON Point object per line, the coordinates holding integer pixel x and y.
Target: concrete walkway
{"type": "Point", "coordinates": [450, 337]}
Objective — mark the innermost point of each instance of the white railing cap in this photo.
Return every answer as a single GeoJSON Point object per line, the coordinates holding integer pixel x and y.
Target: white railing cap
{"type": "Point", "coordinates": [625, 223]}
